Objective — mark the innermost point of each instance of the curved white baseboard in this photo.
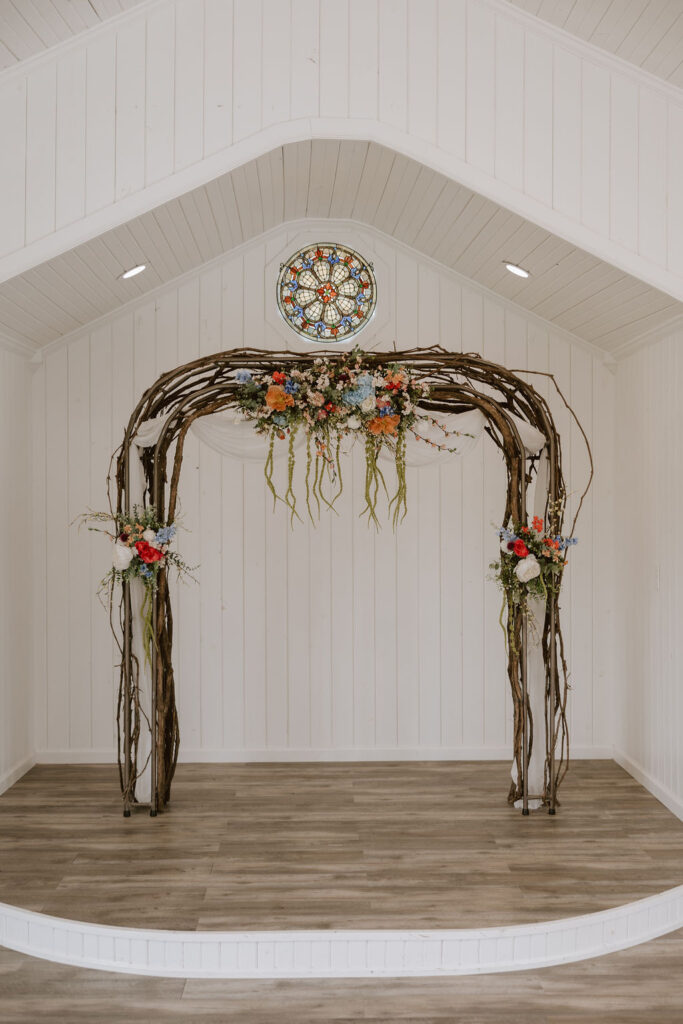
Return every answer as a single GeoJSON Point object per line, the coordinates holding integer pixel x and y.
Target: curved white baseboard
{"type": "Point", "coordinates": [350, 954]}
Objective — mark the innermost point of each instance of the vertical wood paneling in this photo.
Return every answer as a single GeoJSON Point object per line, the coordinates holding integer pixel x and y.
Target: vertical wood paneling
{"type": "Point", "coordinates": [624, 163]}
{"type": "Point", "coordinates": [21, 650]}
{"type": "Point", "coordinates": [393, 43]}
{"type": "Point", "coordinates": [80, 544]}
{"type": "Point", "coordinates": [538, 119]}
{"type": "Point", "coordinates": [509, 164]}
{"type": "Point", "coordinates": [277, 42]}
{"type": "Point", "coordinates": [363, 58]}
{"type": "Point", "coordinates": [301, 639]}
{"type": "Point", "coordinates": [38, 664]}
{"type": "Point", "coordinates": [481, 87]}
{"type": "Point", "coordinates": [652, 178]}
{"type": "Point", "coordinates": [595, 136]}
{"type": "Point", "coordinates": [70, 142]}
{"type": "Point", "coordinates": [334, 52]}
{"type": "Point", "coordinates": [13, 165]}
{"type": "Point", "coordinates": [452, 76]}
{"type": "Point", "coordinates": [189, 82]}
{"type": "Point", "coordinates": [40, 152]}
{"type": "Point", "coordinates": [100, 123]}
{"type": "Point", "coordinates": [422, 69]}
{"type": "Point", "coordinates": [58, 674]}
{"type": "Point", "coordinates": [675, 189]}
{"type": "Point", "coordinates": [159, 94]}
{"type": "Point", "coordinates": [218, 43]}
{"type": "Point", "coordinates": [130, 109]}
{"type": "Point", "coordinates": [567, 133]}
{"type": "Point", "coordinates": [99, 431]}
{"type": "Point", "coordinates": [247, 68]}
{"type": "Point", "coordinates": [305, 59]}
{"type": "Point", "coordinates": [648, 495]}
{"type": "Point", "coordinates": [188, 618]}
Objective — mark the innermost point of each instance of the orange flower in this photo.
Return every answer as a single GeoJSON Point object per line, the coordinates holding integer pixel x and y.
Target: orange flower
{"type": "Point", "coordinates": [278, 399]}
{"type": "Point", "coordinates": [384, 424]}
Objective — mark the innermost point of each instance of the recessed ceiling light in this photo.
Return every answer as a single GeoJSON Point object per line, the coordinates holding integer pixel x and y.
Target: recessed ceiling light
{"type": "Point", "coordinates": [515, 269]}
{"type": "Point", "coordinates": [133, 271]}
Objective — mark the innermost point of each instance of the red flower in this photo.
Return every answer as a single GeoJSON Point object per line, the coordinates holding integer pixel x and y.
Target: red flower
{"type": "Point", "coordinates": [537, 524]}
{"type": "Point", "coordinates": [520, 549]}
{"type": "Point", "coordinates": [279, 377]}
{"type": "Point", "coordinates": [147, 553]}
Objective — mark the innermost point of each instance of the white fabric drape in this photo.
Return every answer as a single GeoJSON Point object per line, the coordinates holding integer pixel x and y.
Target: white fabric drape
{"type": "Point", "coordinates": [231, 433]}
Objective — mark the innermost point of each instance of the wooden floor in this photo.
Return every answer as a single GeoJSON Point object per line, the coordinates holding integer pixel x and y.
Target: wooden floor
{"type": "Point", "coordinates": [643, 985]}
{"type": "Point", "coordinates": [332, 846]}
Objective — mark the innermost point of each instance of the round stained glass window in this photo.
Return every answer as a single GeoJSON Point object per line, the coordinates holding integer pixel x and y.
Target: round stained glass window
{"type": "Point", "coordinates": [326, 293]}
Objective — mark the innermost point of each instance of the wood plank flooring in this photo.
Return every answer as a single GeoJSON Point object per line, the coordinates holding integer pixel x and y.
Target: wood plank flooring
{"type": "Point", "coordinates": [643, 985]}
{"type": "Point", "coordinates": [430, 844]}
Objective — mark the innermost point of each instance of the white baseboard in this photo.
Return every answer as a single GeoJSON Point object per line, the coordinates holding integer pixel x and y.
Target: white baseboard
{"type": "Point", "coordinates": [288, 755]}
{"type": "Point", "coordinates": [340, 954]}
{"type": "Point", "coordinates": [13, 775]}
{"type": "Point", "coordinates": [663, 793]}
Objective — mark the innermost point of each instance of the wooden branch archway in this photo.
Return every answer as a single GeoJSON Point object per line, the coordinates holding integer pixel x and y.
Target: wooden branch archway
{"type": "Point", "coordinates": [458, 382]}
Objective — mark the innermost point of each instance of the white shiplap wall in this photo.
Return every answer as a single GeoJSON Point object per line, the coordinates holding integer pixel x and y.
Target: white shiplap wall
{"type": "Point", "coordinates": [19, 547]}
{"type": "Point", "coordinates": [333, 641]}
{"type": "Point", "coordinates": [649, 739]}
{"type": "Point", "coordinates": [176, 93]}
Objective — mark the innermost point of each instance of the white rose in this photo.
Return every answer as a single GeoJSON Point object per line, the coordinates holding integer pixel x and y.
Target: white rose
{"type": "Point", "coordinates": [149, 536]}
{"type": "Point", "coordinates": [527, 569]}
{"type": "Point", "coordinates": [368, 404]}
{"type": "Point", "coordinates": [353, 422]}
{"type": "Point", "coordinates": [504, 547]}
{"type": "Point", "coordinates": [122, 556]}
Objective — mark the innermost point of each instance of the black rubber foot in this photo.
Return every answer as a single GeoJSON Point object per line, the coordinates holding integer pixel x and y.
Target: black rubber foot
{"type": "Point", "coordinates": [551, 810]}
{"type": "Point", "coordinates": [126, 813]}
{"type": "Point", "coordinates": [152, 813]}
{"type": "Point", "coordinates": [525, 811]}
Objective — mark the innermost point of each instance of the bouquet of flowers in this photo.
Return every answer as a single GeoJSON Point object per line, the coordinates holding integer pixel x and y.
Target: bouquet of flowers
{"type": "Point", "coordinates": [140, 550]}
{"type": "Point", "coordinates": [532, 561]}
{"type": "Point", "coordinates": [330, 401]}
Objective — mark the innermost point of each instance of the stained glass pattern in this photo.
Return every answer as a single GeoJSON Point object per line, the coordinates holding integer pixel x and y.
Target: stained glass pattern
{"type": "Point", "coordinates": [326, 293]}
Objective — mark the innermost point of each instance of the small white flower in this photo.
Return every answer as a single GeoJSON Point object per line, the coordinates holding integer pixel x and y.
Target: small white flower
{"type": "Point", "coordinates": [504, 547]}
{"type": "Point", "coordinates": [353, 422]}
{"type": "Point", "coordinates": [368, 404]}
{"type": "Point", "coordinates": [527, 569]}
{"type": "Point", "coordinates": [149, 536]}
{"type": "Point", "coordinates": [122, 556]}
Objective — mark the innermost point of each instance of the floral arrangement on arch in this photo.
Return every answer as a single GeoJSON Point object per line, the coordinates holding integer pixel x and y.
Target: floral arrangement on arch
{"type": "Point", "coordinates": [330, 401]}
{"type": "Point", "coordinates": [140, 550]}
{"type": "Point", "coordinates": [532, 561]}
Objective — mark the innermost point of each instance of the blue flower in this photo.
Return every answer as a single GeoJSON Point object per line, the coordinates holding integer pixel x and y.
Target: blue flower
{"type": "Point", "coordinates": [243, 376]}
{"type": "Point", "coordinates": [507, 535]}
{"type": "Point", "coordinates": [386, 410]}
{"type": "Point", "coordinates": [279, 418]}
{"type": "Point", "coordinates": [363, 389]}
{"type": "Point", "coordinates": [291, 387]}
{"type": "Point", "coordinates": [145, 571]}
{"type": "Point", "coordinates": [165, 534]}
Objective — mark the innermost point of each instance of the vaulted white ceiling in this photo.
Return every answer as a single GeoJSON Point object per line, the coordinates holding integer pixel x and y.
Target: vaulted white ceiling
{"type": "Point", "coordinates": [647, 33]}
{"type": "Point", "coordinates": [29, 26]}
{"type": "Point", "coordinates": [358, 181]}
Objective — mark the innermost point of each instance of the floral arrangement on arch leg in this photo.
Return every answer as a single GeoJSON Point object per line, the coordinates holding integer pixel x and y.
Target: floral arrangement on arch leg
{"type": "Point", "coordinates": [532, 561]}
{"type": "Point", "coordinates": [330, 401]}
{"type": "Point", "coordinates": [140, 550]}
